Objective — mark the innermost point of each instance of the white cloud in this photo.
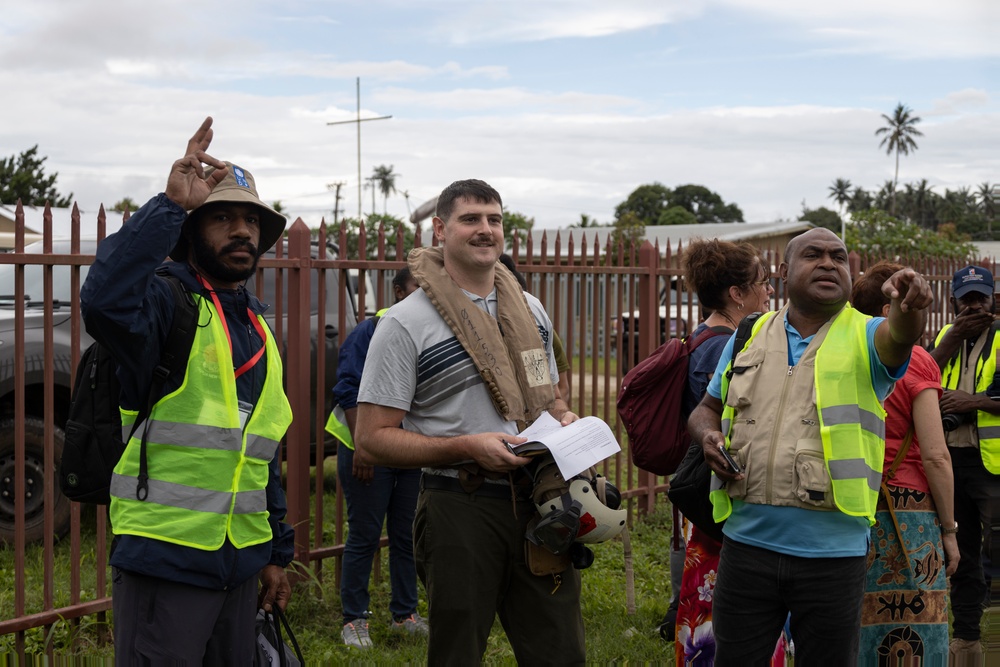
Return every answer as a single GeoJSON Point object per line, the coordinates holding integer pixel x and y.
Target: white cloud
{"type": "Point", "coordinates": [499, 100]}
{"type": "Point", "coordinates": [957, 102]}
{"type": "Point", "coordinates": [911, 29]}
{"type": "Point", "coordinates": [529, 20]}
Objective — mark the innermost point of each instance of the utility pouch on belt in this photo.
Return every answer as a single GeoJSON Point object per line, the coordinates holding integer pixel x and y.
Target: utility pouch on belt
{"type": "Point", "coordinates": [541, 561]}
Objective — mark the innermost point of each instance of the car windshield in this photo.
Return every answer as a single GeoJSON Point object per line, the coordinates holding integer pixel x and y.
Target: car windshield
{"type": "Point", "coordinates": [34, 283]}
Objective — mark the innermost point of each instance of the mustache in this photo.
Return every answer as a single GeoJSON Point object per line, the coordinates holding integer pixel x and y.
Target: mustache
{"type": "Point", "coordinates": [240, 244]}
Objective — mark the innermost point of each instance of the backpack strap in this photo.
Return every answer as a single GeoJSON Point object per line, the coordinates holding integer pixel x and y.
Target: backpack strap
{"type": "Point", "coordinates": [174, 353]}
{"type": "Point", "coordinates": [709, 332]}
{"type": "Point", "coordinates": [743, 332]}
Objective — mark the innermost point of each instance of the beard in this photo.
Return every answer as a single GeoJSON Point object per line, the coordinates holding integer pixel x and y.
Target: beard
{"type": "Point", "coordinates": [209, 261]}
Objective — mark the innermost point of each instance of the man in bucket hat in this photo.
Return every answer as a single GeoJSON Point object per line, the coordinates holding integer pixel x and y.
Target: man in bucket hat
{"type": "Point", "coordinates": [966, 351]}
{"type": "Point", "coordinates": [188, 554]}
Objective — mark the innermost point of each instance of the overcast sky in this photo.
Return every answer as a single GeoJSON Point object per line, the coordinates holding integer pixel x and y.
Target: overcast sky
{"type": "Point", "coordinates": [565, 106]}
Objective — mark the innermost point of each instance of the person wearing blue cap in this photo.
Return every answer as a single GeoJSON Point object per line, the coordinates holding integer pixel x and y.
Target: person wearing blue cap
{"type": "Point", "coordinates": [966, 351]}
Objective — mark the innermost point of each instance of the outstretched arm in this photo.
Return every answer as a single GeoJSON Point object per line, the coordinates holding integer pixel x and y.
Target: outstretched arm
{"type": "Point", "coordinates": [910, 296]}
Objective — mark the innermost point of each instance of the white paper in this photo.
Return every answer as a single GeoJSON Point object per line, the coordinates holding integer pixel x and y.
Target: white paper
{"type": "Point", "coordinates": [575, 447]}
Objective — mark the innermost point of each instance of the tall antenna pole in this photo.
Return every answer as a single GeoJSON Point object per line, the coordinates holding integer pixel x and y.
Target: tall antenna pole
{"type": "Point", "coordinates": [358, 120]}
{"type": "Point", "coordinates": [357, 84]}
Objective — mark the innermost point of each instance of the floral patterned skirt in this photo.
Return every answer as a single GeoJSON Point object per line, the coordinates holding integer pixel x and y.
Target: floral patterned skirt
{"type": "Point", "coordinates": [695, 642]}
{"type": "Point", "coordinates": [904, 618]}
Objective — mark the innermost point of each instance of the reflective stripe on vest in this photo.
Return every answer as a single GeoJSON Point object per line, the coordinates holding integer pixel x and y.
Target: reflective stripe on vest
{"type": "Point", "coordinates": [336, 426]}
{"type": "Point", "coordinates": [987, 424]}
{"type": "Point", "coordinates": [207, 475]}
{"type": "Point", "coordinates": [851, 417]}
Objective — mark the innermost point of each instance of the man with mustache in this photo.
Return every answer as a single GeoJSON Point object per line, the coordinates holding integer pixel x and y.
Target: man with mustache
{"type": "Point", "coordinates": [799, 410]}
{"type": "Point", "coordinates": [464, 363]}
{"type": "Point", "coordinates": [193, 540]}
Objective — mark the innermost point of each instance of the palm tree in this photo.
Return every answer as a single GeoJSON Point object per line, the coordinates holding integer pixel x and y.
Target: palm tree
{"type": "Point", "coordinates": [886, 195]}
{"type": "Point", "coordinates": [386, 180]}
{"type": "Point", "coordinates": [861, 200]}
{"type": "Point", "coordinates": [406, 196]}
{"type": "Point", "coordinates": [922, 205]}
{"type": "Point", "coordinates": [840, 192]}
{"type": "Point", "coordinates": [899, 133]}
{"type": "Point", "coordinates": [987, 204]}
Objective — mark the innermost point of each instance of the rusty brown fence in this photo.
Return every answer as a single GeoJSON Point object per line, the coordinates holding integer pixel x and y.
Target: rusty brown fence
{"type": "Point", "coordinates": [588, 290]}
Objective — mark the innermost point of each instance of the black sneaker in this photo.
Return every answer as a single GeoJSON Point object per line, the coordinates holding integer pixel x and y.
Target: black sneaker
{"type": "Point", "coordinates": [668, 626]}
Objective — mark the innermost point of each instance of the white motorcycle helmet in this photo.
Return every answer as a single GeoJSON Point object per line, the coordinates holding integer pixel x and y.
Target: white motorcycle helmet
{"type": "Point", "coordinates": [586, 510]}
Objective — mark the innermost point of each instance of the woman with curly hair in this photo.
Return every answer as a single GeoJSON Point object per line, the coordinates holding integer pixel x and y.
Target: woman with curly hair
{"type": "Point", "coordinates": [904, 616]}
{"type": "Point", "coordinates": [732, 280]}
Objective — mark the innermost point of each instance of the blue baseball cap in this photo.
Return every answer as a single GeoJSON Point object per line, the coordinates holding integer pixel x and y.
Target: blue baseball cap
{"type": "Point", "coordinates": [972, 279]}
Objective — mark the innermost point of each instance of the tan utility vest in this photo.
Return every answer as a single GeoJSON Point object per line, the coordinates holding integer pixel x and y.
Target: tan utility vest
{"type": "Point", "coordinates": [776, 434]}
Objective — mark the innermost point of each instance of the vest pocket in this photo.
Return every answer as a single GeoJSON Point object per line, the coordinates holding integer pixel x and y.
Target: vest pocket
{"type": "Point", "coordinates": [738, 488]}
{"type": "Point", "coordinates": [746, 369]}
{"type": "Point", "coordinates": [812, 480]}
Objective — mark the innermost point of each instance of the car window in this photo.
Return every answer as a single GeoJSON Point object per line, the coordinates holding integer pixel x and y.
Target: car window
{"type": "Point", "coordinates": [34, 282]}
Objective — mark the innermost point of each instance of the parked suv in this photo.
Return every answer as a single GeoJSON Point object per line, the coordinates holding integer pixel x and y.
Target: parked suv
{"type": "Point", "coordinates": [62, 338]}
{"type": "Point", "coordinates": [34, 314]}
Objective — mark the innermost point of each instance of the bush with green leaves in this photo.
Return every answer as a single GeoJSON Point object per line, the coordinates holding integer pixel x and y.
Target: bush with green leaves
{"type": "Point", "coordinates": [875, 232]}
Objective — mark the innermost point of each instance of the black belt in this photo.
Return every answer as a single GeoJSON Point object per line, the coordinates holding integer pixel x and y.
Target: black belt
{"type": "Point", "coordinates": [451, 484]}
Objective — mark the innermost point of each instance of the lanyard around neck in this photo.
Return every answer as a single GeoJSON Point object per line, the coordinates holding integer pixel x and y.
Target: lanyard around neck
{"type": "Point", "coordinates": [225, 326]}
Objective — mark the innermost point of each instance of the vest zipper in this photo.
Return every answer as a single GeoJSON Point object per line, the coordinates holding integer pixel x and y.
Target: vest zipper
{"type": "Point", "coordinates": [773, 452]}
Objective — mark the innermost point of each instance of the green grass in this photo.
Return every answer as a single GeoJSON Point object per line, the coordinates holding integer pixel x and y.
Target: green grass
{"type": "Point", "coordinates": [613, 636]}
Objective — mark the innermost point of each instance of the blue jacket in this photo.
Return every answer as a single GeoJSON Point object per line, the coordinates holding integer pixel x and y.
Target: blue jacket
{"type": "Point", "coordinates": [352, 363]}
{"type": "Point", "coordinates": [128, 308]}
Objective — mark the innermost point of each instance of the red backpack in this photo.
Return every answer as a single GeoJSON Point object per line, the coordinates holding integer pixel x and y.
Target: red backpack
{"type": "Point", "coordinates": [650, 400]}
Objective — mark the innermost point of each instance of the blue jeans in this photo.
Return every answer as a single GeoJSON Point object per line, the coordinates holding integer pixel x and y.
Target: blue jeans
{"type": "Point", "coordinates": [976, 489]}
{"type": "Point", "coordinates": [757, 588]}
{"type": "Point", "coordinates": [391, 498]}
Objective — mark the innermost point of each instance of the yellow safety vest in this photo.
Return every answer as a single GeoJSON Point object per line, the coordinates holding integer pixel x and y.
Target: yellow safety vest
{"type": "Point", "coordinates": [336, 423]}
{"type": "Point", "coordinates": [850, 417]}
{"type": "Point", "coordinates": [987, 424]}
{"type": "Point", "coordinates": [207, 471]}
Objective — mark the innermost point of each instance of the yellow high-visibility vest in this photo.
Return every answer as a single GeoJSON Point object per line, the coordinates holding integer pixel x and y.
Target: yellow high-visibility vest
{"type": "Point", "coordinates": [848, 414]}
{"type": "Point", "coordinates": [208, 463]}
{"type": "Point", "coordinates": [987, 424]}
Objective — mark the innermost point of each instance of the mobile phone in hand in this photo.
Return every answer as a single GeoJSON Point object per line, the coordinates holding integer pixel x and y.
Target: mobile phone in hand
{"type": "Point", "coordinates": [734, 466]}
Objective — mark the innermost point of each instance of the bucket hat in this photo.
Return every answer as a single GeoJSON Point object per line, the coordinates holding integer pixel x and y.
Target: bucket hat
{"type": "Point", "coordinates": [237, 187]}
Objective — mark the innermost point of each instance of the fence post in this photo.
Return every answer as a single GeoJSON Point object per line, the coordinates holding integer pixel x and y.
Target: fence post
{"type": "Point", "coordinates": [649, 305]}
{"type": "Point", "coordinates": [649, 340]}
{"type": "Point", "coordinates": [296, 369]}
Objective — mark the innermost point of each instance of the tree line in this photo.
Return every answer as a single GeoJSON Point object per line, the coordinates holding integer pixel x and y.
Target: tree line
{"type": "Point", "coordinates": [888, 219]}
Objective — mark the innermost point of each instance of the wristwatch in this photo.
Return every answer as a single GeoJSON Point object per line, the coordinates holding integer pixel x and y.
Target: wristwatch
{"type": "Point", "coordinates": [949, 531]}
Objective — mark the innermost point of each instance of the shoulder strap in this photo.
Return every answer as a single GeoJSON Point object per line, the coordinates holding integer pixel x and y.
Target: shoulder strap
{"type": "Point", "coordinates": [709, 332]}
{"type": "Point", "coordinates": [743, 332]}
{"type": "Point", "coordinates": [175, 351]}
{"type": "Point", "coordinates": [900, 455]}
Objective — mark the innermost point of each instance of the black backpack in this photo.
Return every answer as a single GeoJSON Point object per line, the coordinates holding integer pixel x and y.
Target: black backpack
{"type": "Point", "coordinates": [690, 486]}
{"type": "Point", "coordinates": [93, 442]}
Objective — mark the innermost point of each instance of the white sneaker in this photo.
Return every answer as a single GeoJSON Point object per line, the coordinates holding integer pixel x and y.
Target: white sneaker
{"type": "Point", "coordinates": [355, 634]}
{"type": "Point", "coordinates": [414, 624]}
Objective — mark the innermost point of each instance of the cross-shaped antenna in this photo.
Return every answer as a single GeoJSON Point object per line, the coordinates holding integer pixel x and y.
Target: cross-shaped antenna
{"type": "Point", "coordinates": [357, 121]}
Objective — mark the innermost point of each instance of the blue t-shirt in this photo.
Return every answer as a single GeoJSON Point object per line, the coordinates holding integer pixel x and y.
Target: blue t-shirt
{"type": "Point", "coordinates": [794, 530]}
{"type": "Point", "coordinates": [701, 366]}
